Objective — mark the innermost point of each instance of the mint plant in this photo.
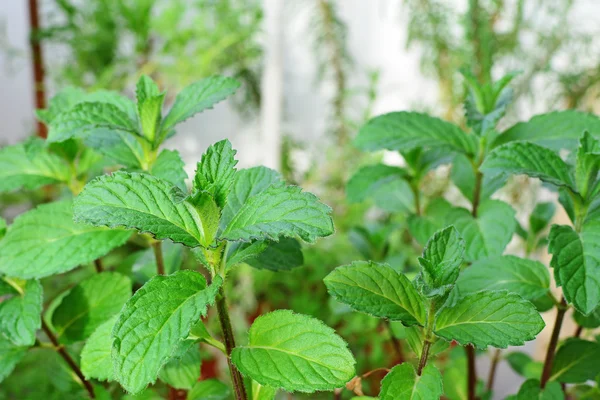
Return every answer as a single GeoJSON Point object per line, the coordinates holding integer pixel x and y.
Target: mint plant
{"type": "Point", "coordinates": [463, 265]}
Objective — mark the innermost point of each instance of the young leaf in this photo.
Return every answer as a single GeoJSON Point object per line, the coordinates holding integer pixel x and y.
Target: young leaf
{"type": "Point", "coordinates": [246, 184]}
{"type": "Point", "coordinates": [489, 233]}
{"type": "Point", "coordinates": [407, 130]}
{"type": "Point", "coordinates": [541, 216]}
{"type": "Point", "coordinates": [210, 389]}
{"type": "Point", "coordinates": [30, 170]}
{"type": "Point", "coordinates": [262, 392]}
{"type": "Point", "coordinates": [215, 171]}
{"type": "Point", "coordinates": [531, 390]}
{"type": "Point", "coordinates": [279, 256]}
{"type": "Point", "coordinates": [528, 278]}
{"type": "Point", "coordinates": [587, 164]}
{"type": "Point", "coordinates": [576, 361]}
{"type": "Point", "coordinates": [196, 98]}
{"type": "Point", "coordinates": [141, 202]}
{"type": "Point", "coordinates": [86, 119]}
{"type": "Point", "coordinates": [280, 211]}
{"type": "Point", "coordinates": [489, 318]}
{"type": "Point", "coordinates": [378, 290]}
{"type": "Point", "coordinates": [557, 130]}
{"type": "Point", "coordinates": [441, 261]}
{"type": "Point", "coordinates": [402, 382]}
{"type": "Point", "coordinates": [576, 263]}
{"type": "Point", "coordinates": [294, 352]}
{"type": "Point", "coordinates": [89, 304]}
{"type": "Point", "coordinates": [422, 227]}
{"type": "Point", "coordinates": [10, 355]}
{"type": "Point", "coordinates": [523, 158]}
{"type": "Point", "coordinates": [150, 117]}
{"type": "Point", "coordinates": [154, 321]}
{"type": "Point", "coordinates": [384, 184]}
{"type": "Point", "coordinates": [119, 146]}
{"type": "Point", "coordinates": [96, 354]}
{"type": "Point", "coordinates": [46, 241]}
{"type": "Point", "coordinates": [182, 372]}
{"type": "Point", "coordinates": [590, 321]}
{"type": "Point", "coordinates": [20, 314]}
{"type": "Point", "coordinates": [170, 167]}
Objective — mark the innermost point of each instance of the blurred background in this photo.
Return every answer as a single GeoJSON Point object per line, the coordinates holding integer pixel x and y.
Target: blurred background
{"type": "Point", "coordinates": [312, 72]}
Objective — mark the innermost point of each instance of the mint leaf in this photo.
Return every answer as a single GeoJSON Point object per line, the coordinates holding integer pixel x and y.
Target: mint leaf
{"type": "Point", "coordinates": [523, 158]}
{"type": "Point", "coordinates": [89, 304]}
{"type": "Point", "coordinates": [587, 164]}
{"type": "Point", "coordinates": [215, 171]}
{"type": "Point", "coordinates": [402, 382]}
{"type": "Point", "coordinates": [489, 233]}
{"type": "Point", "coordinates": [21, 313]}
{"type": "Point", "coordinates": [170, 167]}
{"type": "Point", "coordinates": [261, 392]}
{"type": "Point", "coordinates": [422, 227]}
{"type": "Point", "coordinates": [246, 184]}
{"type": "Point", "coordinates": [384, 184]}
{"type": "Point", "coordinates": [210, 389]}
{"type": "Point", "coordinates": [415, 337]}
{"type": "Point", "coordinates": [489, 318]}
{"type": "Point", "coordinates": [280, 211]}
{"type": "Point", "coordinates": [10, 355]}
{"type": "Point", "coordinates": [561, 129]}
{"type": "Point", "coordinates": [141, 202]}
{"type": "Point", "coordinates": [20, 168]}
{"type": "Point", "coordinates": [119, 146]}
{"type": "Point", "coordinates": [153, 323]}
{"type": "Point", "coordinates": [531, 390]}
{"type": "Point", "coordinates": [463, 176]}
{"type": "Point", "coordinates": [196, 98]}
{"type": "Point", "coordinates": [528, 278]}
{"type": "Point", "coordinates": [182, 372]}
{"type": "Point", "coordinates": [378, 290]}
{"type": "Point", "coordinates": [541, 216]}
{"type": "Point", "coordinates": [524, 365]}
{"type": "Point", "coordinates": [45, 241]}
{"type": "Point", "coordinates": [576, 263]}
{"type": "Point", "coordinates": [96, 354]}
{"type": "Point", "coordinates": [407, 130]}
{"type": "Point", "coordinates": [279, 256]}
{"type": "Point", "coordinates": [294, 352]}
{"type": "Point", "coordinates": [441, 261]}
{"type": "Point", "coordinates": [590, 321]}
{"type": "Point", "coordinates": [62, 101]}
{"type": "Point", "coordinates": [576, 361]}
{"type": "Point", "coordinates": [86, 119]}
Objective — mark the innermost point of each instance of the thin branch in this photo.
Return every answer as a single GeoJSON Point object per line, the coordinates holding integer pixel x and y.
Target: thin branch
{"type": "Point", "coordinates": [560, 315]}
{"type": "Point", "coordinates": [98, 265]}
{"type": "Point", "coordinates": [493, 368]}
{"type": "Point", "coordinates": [158, 255]}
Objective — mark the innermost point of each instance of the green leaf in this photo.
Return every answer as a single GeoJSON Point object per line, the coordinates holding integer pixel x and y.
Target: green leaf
{"type": "Point", "coordinates": [489, 318]}
{"type": "Point", "coordinates": [182, 372]}
{"type": "Point", "coordinates": [415, 337]}
{"type": "Point", "coordinates": [384, 184]}
{"type": "Point", "coordinates": [86, 119]}
{"type": "Point", "coordinates": [141, 202]}
{"type": "Point", "coordinates": [154, 321]}
{"type": "Point", "coordinates": [143, 263]}
{"type": "Point", "coordinates": [119, 146]}
{"type": "Point", "coordinates": [489, 233]}
{"type": "Point", "coordinates": [407, 130]}
{"type": "Point", "coordinates": [170, 167]}
{"type": "Point", "coordinates": [215, 171]}
{"type": "Point", "coordinates": [587, 164]}
{"type": "Point", "coordinates": [144, 89]}
{"type": "Point", "coordinates": [524, 158]}
{"type": "Point", "coordinates": [210, 389]}
{"type": "Point", "coordinates": [261, 392]}
{"type": "Point", "coordinates": [541, 216]}
{"type": "Point", "coordinates": [463, 176]}
{"type": "Point", "coordinates": [196, 98]}
{"type": "Point", "coordinates": [557, 130]}
{"type": "Point", "coordinates": [10, 355]}
{"type": "Point", "coordinates": [576, 263]}
{"type": "Point", "coordinates": [422, 227]}
{"type": "Point", "coordinates": [20, 168]}
{"type": "Point", "coordinates": [280, 211]}
{"type": "Point", "coordinates": [62, 101]}
{"type": "Point", "coordinates": [294, 352]}
{"type": "Point", "coordinates": [279, 256]}
{"type": "Point", "coordinates": [530, 390]}
{"type": "Point", "coordinates": [402, 382]}
{"type": "Point", "coordinates": [524, 365]}
{"type": "Point", "coordinates": [45, 241]}
{"type": "Point", "coordinates": [576, 361]}
{"type": "Point", "coordinates": [96, 360]}
{"type": "Point", "coordinates": [528, 278]}
{"type": "Point", "coordinates": [378, 290]}
{"type": "Point", "coordinates": [441, 261]}
{"type": "Point", "coordinates": [590, 321]}
{"type": "Point", "coordinates": [21, 312]}
{"type": "Point", "coordinates": [89, 304]}
{"type": "Point", "coordinates": [150, 117]}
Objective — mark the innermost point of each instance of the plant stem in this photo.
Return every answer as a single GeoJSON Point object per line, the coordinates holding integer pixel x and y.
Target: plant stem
{"type": "Point", "coordinates": [236, 377]}
{"type": "Point", "coordinates": [417, 197]}
{"type": "Point", "coordinates": [428, 337]}
{"type": "Point", "coordinates": [67, 357]}
{"type": "Point", "coordinates": [98, 265]}
{"type": "Point", "coordinates": [493, 367]}
{"type": "Point", "coordinates": [472, 372]}
{"type": "Point", "coordinates": [578, 331]}
{"type": "Point", "coordinates": [477, 192]}
{"type": "Point", "coordinates": [560, 315]}
{"type": "Point", "coordinates": [158, 255]}
{"type": "Point", "coordinates": [424, 356]}
{"type": "Point", "coordinates": [38, 64]}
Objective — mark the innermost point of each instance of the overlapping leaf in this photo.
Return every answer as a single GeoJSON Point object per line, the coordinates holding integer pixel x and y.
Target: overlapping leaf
{"type": "Point", "coordinates": [10, 355]}
{"type": "Point", "coordinates": [170, 167]}
{"type": "Point", "coordinates": [385, 184]}
{"type": "Point", "coordinates": [215, 172]}
{"type": "Point", "coordinates": [576, 361]}
{"type": "Point", "coordinates": [402, 382]}
{"type": "Point", "coordinates": [20, 314]}
{"type": "Point", "coordinates": [96, 359]}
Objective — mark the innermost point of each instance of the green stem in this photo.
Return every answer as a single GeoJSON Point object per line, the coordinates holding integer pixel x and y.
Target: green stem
{"type": "Point", "coordinates": [417, 196]}
{"type": "Point", "coordinates": [236, 377]}
{"type": "Point", "coordinates": [158, 255]}
{"type": "Point", "coordinates": [428, 338]}
{"type": "Point", "coordinates": [560, 316]}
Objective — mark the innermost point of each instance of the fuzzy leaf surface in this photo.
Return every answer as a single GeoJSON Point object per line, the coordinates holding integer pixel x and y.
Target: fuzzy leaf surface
{"type": "Point", "coordinates": [279, 256]}
{"type": "Point", "coordinates": [378, 290]}
{"type": "Point", "coordinates": [216, 170]}
{"type": "Point", "coordinates": [45, 241]}
{"type": "Point", "coordinates": [489, 318]}
{"type": "Point", "coordinates": [294, 352]}
{"type": "Point", "coordinates": [20, 314]}
{"type": "Point", "coordinates": [402, 382]}
{"type": "Point", "coordinates": [154, 321]}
